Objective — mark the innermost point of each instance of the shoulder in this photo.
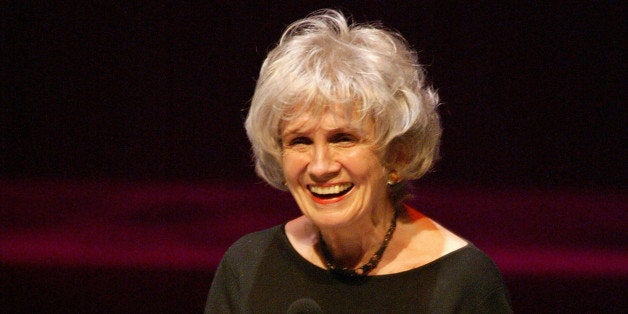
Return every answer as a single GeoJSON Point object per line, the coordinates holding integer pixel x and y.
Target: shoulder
{"type": "Point", "coordinates": [424, 231]}
{"type": "Point", "coordinates": [235, 273]}
{"type": "Point", "coordinates": [459, 262]}
{"type": "Point", "coordinates": [464, 281]}
{"type": "Point", "coordinates": [471, 273]}
{"type": "Point", "coordinates": [471, 260]}
{"type": "Point", "coordinates": [252, 245]}
{"type": "Point", "coordinates": [420, 241]}
{"type": "Point", "coordinates": [470, 269]}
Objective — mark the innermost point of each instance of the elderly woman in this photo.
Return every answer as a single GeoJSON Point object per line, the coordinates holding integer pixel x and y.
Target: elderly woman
{"type": "Point", "coordinates": [343, 119]}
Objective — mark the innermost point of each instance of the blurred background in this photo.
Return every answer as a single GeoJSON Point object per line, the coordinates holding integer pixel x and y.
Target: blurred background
{"type": "Point", "coordinates": [125, 171]}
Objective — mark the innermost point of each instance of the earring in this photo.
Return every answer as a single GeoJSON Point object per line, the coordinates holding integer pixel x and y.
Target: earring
{"type": "Point", "coordinates": [393, 178]}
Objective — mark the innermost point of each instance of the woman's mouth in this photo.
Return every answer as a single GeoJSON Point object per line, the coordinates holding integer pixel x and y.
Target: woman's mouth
{"type": "Point", "coordinates": [329, 192]}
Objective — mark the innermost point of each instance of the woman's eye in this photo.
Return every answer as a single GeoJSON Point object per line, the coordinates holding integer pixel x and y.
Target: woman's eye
{"type": "Point", "coordinates": [343, 138]}
{"type": "Point", "coordinates": [299, 141]}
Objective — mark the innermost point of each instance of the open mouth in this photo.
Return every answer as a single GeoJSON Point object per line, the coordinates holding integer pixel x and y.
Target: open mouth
{"type": "Point", "coordinates": [332, 191]}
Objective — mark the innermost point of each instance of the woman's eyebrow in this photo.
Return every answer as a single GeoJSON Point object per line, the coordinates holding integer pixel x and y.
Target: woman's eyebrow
{"type": "Point", "coordinates": [303, 128]}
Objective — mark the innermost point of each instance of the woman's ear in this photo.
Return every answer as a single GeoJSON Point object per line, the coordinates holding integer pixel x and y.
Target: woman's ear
{"type": "Point", "coordinates": [397, 154]}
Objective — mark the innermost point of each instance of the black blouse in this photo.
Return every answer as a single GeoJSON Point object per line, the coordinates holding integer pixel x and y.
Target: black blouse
{"type": "Point", "coordinates": [262, 273]}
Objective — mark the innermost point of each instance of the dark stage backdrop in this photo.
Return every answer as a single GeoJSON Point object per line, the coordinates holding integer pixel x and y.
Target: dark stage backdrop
{"type": "Point", "coordinates": [533, 94]}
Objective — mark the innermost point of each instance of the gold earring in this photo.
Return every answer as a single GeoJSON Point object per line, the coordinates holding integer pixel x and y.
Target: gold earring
{"type": "Point", "coordinates": [393, 178]}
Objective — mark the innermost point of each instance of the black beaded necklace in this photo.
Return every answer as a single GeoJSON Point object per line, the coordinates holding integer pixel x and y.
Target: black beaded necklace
{"type": "Point", "coordinates": [364, 269]}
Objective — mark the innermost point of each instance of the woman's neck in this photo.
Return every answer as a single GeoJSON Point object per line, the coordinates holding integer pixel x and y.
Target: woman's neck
{"type": "Point", "coordinates": [353, 245]}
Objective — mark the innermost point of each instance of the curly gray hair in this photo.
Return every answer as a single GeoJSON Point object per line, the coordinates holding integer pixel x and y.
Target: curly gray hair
{"type": "Point", "coordinates": [322, 60]}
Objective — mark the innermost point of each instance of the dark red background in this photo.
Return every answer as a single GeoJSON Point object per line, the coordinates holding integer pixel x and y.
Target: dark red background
{"type": "Point", "coordinates": [532, 93]}
{"type": "Point", "coordinates": [122, 148]}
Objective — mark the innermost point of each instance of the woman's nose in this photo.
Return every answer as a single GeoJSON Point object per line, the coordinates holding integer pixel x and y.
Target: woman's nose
{"type": "Point", "coordinates": [322, 167]}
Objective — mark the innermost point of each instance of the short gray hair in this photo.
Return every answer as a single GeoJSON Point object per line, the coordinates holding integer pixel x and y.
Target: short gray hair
{"type": "Point", "coordinates": [322, 60]}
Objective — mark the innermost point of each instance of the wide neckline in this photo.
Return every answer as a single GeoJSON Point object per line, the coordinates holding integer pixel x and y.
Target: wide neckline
{"type": "Point", "coordinates": [307, 265]}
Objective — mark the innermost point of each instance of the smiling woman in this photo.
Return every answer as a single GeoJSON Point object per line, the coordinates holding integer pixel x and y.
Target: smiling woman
{"type": "Point", "coordinates": [333, 169]}
{"type": "Point", "coordinates": [343, 119]}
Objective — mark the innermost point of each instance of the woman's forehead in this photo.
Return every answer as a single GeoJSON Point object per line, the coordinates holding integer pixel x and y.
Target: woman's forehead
{"type": "Point", "coordinates": [332, 118]}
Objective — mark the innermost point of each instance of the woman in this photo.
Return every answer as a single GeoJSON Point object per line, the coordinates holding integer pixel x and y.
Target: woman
{"type": "Point", "coordinates": [343, 119]}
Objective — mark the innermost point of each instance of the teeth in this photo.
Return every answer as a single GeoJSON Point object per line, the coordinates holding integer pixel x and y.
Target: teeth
{"type": "Point", "coordinates": [334, 189]}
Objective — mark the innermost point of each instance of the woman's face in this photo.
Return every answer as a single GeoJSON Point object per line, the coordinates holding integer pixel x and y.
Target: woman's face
{"type": "Point", "coordinates": [333, 170]}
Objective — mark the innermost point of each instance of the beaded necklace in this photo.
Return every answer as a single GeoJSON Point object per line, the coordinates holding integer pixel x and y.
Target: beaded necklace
{"type": "Point", "coordinates": [364, 269]}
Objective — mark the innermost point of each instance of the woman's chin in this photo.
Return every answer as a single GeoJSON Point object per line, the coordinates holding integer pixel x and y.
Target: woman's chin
{"type": "Point", "coordinates": [329, 219]}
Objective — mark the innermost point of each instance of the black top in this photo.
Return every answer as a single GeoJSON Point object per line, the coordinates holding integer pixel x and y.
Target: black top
{"type": "Point", "coordinates": [262, 273]}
